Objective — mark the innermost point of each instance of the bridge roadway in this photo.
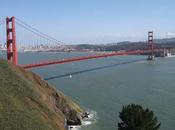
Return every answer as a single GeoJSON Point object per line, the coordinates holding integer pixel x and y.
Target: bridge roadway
{"type": "Point", "coordinates": [61, 61]}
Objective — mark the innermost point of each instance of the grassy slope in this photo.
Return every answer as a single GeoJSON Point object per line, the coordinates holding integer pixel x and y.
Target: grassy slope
{"type": "Point", "coordinates": [29, 103]}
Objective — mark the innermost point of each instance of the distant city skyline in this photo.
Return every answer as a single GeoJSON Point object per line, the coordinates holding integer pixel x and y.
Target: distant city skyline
{"type": "Point", "coordinates": [95, 21]}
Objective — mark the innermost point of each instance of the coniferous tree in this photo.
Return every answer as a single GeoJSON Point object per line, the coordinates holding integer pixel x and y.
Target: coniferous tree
{"type": "Point", "coordinates": [135, 117]}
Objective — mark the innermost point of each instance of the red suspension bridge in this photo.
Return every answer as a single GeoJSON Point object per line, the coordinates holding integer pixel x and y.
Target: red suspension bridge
{"type": "Point", "coordinates": [12, 52]}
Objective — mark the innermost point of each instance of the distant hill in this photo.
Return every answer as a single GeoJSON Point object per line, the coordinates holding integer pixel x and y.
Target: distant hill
{"type": "Point", "coordinates": [29, 103]}
{"type": "Point", "coordinates": [165, 40]}
{"type": "Point", "coordinates": [168, 43]}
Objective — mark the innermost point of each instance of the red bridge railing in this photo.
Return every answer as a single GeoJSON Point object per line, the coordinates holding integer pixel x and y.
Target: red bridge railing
{"type": "Point", "coordinates": [61, 61]}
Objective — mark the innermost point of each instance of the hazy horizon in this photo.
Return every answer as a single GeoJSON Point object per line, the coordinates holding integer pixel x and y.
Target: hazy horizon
{"type": "Point", "coordinates": [95, 21]}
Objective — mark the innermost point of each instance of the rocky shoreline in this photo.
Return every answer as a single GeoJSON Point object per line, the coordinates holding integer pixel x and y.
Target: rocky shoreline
{"type": "Point", "coordinates": [87, 118]}
{"type": "Point", "coordinates": [41, 105]}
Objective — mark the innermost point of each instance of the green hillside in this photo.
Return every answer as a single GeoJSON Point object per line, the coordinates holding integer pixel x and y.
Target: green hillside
{"type": "Point", "coordinates": [29, 103]}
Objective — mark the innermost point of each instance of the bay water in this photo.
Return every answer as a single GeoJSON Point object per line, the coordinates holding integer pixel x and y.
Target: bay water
{"type": "Point", "coordinates": [105, 85]}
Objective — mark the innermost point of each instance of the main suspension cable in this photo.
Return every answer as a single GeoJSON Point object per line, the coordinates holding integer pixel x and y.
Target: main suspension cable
{"type": "Point", "coordinates": [37, 31]}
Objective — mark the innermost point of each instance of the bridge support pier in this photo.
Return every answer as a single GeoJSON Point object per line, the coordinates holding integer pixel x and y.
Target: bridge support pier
{"type": "Point", "coordinates": [150, 45]}
{"type": "Point", "coordinates": [12, 54]}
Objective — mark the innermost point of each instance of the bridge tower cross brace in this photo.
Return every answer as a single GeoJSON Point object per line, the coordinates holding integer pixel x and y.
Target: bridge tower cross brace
{"type": "Point", "coordinates": [12, 54]}
{"type": "Point", "coordinates": [150, 45]}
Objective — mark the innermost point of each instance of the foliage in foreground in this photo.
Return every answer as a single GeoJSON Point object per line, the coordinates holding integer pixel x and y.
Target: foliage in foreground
{"type": "Point", "coordinates": [135, 117]}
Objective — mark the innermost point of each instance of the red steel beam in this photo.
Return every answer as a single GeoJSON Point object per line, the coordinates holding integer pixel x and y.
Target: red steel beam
{"type": "Point", "coordinates": [8, 31]}
{"type": "Point", "coordinates": [150, 45]}
{"type": "Point", "coordinates": [14, 47]}
{"type": "Point", "coordinates": [27, 66]}
{"type": "Point", "coordinates": [12, 54]}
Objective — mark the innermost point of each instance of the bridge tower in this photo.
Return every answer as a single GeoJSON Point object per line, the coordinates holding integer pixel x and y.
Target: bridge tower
{"type": "Point", "coordinates": [150, 45]}
{"type": "Point", "coordinates": [12, 54]}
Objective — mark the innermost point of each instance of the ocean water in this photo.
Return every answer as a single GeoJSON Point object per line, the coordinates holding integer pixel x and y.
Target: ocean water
{"type": "Point", "coordinates": [105, 85]}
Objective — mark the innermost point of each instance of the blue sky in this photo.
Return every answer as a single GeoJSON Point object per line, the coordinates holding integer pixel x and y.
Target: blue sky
{"type": "Point", "coordinates": [95, 21]}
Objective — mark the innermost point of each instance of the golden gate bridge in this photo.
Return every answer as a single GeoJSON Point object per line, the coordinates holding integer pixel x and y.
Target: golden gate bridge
{"type": "Point", "coordinates": [12, 52]}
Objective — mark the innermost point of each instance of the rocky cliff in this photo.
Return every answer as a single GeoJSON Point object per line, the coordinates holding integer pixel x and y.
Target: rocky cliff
{"type": "Point", "coordinates": [29, 103]}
